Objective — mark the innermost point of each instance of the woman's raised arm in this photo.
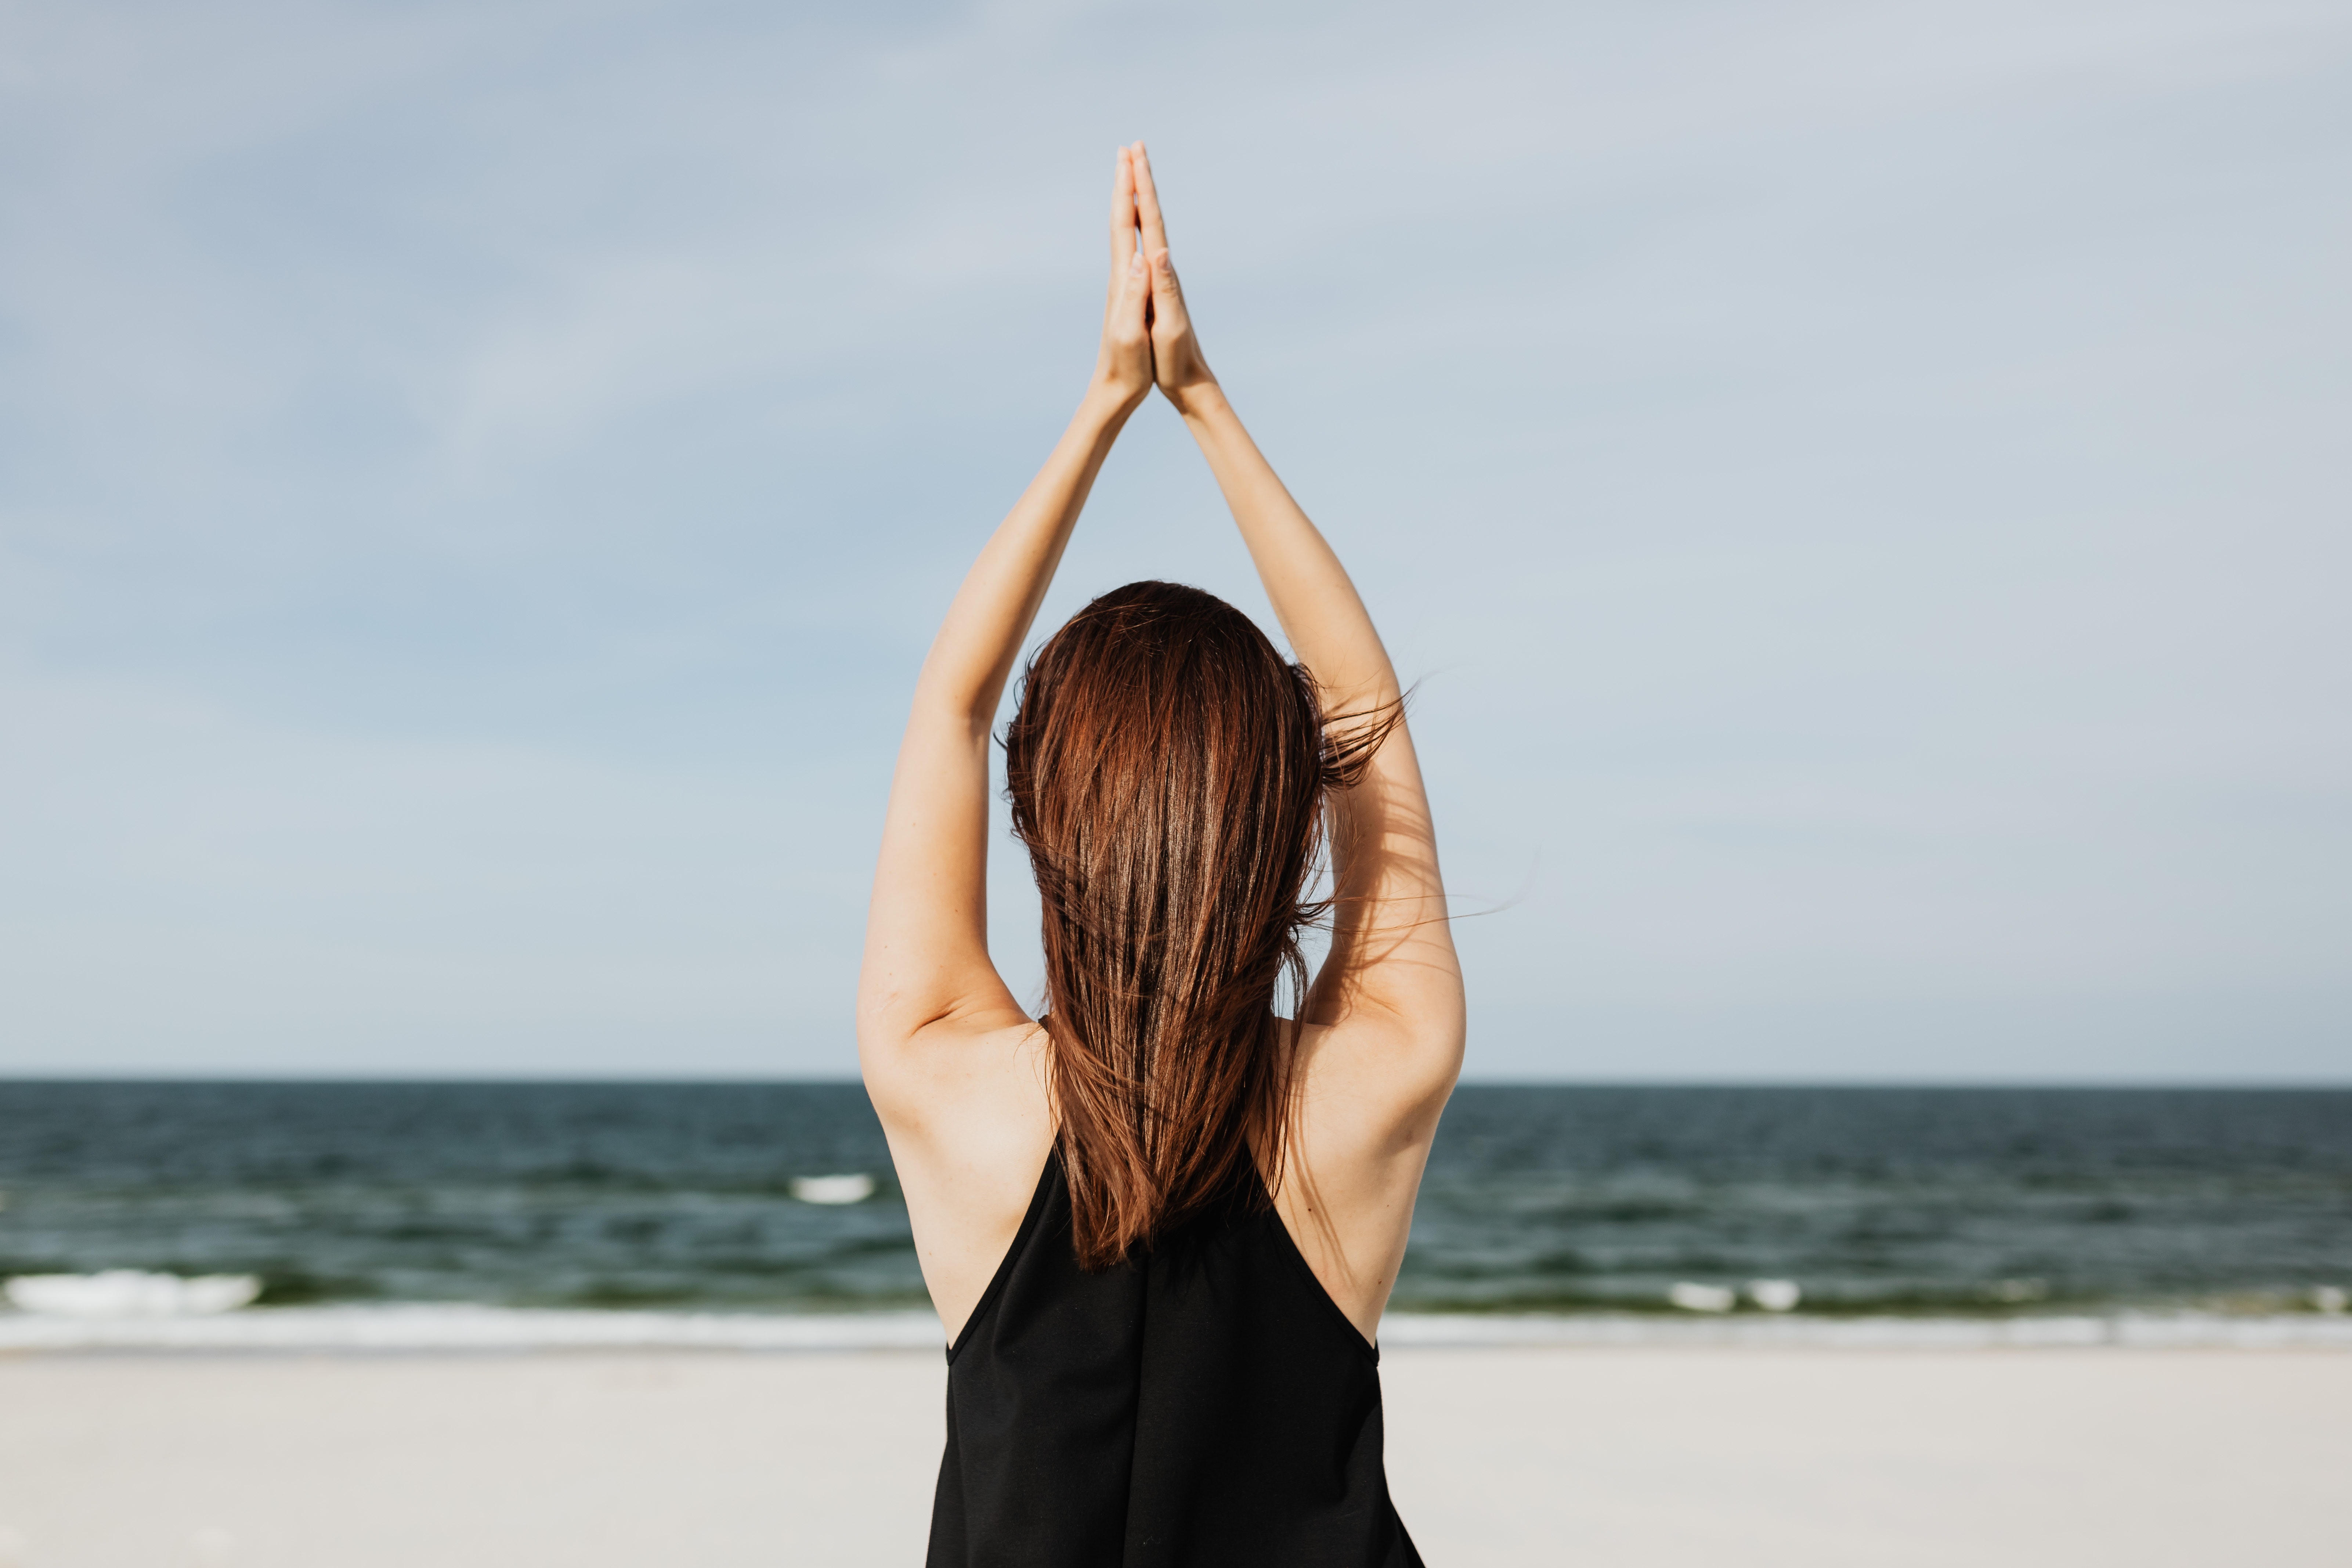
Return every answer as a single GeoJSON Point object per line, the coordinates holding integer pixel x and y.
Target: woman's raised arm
{"type": "Point", "coordinates": [926, 963]}
{"type": "Point", "coordinates": [1392, 980]}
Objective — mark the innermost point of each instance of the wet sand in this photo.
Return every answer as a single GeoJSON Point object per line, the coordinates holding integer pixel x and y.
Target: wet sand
{"type": "Point", "coordinates": [1654, 1457]}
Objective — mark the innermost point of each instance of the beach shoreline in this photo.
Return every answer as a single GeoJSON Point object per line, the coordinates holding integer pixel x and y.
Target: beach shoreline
{"type": "Point", "coordinates": [1499, 1456]}
{"type": "Point", "coordinates": [462, 1327]}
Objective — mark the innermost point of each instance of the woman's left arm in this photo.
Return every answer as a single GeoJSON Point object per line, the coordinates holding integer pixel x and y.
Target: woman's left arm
{"type": "Point", "coordinates": [926, 977]}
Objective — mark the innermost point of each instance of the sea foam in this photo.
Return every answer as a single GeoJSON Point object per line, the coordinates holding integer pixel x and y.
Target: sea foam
{"type": "Point", "coordinates": [131, 1293]}
{"type": "Point", "coordinates": [842, 1189]}
{"type": "Point", "coordinates": [461, 1328]}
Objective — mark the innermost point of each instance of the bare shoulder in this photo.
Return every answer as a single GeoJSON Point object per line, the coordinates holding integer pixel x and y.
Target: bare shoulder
{"type": "Point", "coordinates": [1370, 1091]}
{"type": "Point", "coordinates": [969, 1121]}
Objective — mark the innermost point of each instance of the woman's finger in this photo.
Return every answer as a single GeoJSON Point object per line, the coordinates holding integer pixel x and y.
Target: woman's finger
{"type": "Point", "coordinates": [1126, 329]}
{"type": "Point", "coordinates": [1122, 218]}
{"type": "Point", "coordinates": [1147, 205]}
{"type": "Point", "coordinates": [1135, 288]}
{"type": "Point", "coordinates": [1166, 293]}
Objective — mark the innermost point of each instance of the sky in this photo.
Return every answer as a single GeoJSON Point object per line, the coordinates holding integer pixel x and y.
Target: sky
{"type": "Point", "coordinates": [1863, 492]}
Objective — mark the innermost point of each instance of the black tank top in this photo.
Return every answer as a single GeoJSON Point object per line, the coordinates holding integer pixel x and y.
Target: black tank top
{"type": "Point", "coordinates": [1205, 1405]}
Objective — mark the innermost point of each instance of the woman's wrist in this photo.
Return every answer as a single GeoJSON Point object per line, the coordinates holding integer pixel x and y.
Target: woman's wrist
{"type": "Point", "coordinates": [1107, 404]}
{"type": "Point", "coordinates": [1200, 400]}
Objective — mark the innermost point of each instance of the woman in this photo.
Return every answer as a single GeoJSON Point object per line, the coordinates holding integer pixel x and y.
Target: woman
{"type": "Point", "coordinates": [1160, 1223]}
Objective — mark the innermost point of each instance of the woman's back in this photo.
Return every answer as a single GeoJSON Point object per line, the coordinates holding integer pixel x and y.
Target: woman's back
{"type": "Point", "coordinates": [1202, 1404]}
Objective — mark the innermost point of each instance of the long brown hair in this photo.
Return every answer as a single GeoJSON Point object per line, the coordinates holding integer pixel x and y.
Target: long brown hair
{"type": "Point", "coordinates": [1169, 770]}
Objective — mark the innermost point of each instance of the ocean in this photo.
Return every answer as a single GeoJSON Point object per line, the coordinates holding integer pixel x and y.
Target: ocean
{"type": "Point", "coordinates": [747, 1212]}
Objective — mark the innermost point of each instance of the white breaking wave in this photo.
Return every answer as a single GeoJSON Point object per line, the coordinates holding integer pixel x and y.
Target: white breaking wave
{"type": "Point", "coordinates": [362, 1329]}
{"type": "Point", "coordinates": [845, 1189]}
{"type": "Point", "coordinates": [2129, 1330]}
{"type": "Point", "coordinates": [468, 1328]}
{"type": "Point", "coordinates": [1692, 1297]}
{"type": "Point", "coordinates": [131, 1293]}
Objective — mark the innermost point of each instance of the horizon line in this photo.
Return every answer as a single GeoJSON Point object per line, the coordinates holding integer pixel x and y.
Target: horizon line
{"type": "Point", "coordinates": [365, 1079]}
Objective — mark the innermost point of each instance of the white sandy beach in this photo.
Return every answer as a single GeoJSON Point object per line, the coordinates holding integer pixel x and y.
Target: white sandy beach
{"type": "Point", "coordinates": [1652, 1457]}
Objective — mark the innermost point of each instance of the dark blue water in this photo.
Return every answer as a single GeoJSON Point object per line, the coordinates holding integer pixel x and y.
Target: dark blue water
{"type": "Point", "coordinates": [1553, 1199]}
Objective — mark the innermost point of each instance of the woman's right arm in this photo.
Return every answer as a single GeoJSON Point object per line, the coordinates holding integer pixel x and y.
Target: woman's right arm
{"type": "Point", "coordinates": [1391, 982]}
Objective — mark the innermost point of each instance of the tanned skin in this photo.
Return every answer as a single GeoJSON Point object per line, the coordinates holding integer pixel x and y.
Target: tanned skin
{"type": "Point", "coordinates": [956, 1068]}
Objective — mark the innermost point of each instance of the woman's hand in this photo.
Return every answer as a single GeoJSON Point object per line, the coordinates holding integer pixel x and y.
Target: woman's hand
{"type": "Point", "coordinates": [1123, 368]}
{"type": "Point", "coordinates": [1177, 363]}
